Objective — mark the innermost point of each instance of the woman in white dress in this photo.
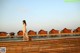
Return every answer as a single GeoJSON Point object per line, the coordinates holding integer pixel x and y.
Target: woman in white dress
{"type": "Point", "coordinates": [25, 36]}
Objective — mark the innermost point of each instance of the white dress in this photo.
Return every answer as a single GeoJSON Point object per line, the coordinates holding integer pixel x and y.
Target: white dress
{"type": "Point", "coordinates": [25, 36]}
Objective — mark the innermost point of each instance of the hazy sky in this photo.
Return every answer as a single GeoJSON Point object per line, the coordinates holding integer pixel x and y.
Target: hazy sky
{"type": "Point", "coordinates": [39, 14]}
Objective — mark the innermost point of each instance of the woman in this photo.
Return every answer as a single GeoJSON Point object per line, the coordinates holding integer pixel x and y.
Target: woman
{"type": "Point", "coordinates": [25, 36]}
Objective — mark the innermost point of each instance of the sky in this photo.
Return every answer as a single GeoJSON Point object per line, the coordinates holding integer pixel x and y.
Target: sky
{"type": "Point", "coordinates": [39, 14]}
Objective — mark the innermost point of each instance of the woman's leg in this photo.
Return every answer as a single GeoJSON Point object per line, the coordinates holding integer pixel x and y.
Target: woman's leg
{"type": "Point", "coordinates": [25, 37]}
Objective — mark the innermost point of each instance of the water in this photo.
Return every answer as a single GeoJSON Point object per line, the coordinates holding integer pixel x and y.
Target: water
{"type": "Point", "coordinates": [39, 37]}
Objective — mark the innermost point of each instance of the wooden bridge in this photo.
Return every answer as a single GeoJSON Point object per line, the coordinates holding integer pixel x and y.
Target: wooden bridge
{"type": "Point", "coordinates": [66, 45]}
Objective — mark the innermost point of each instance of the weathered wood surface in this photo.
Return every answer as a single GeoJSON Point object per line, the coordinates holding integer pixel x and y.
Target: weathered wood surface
{"type": "Point", "coordinates": [68, 45]}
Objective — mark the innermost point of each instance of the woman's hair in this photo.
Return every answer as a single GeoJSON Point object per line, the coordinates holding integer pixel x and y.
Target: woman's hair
{"type": "Point", "coordinates": [24, 22]}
